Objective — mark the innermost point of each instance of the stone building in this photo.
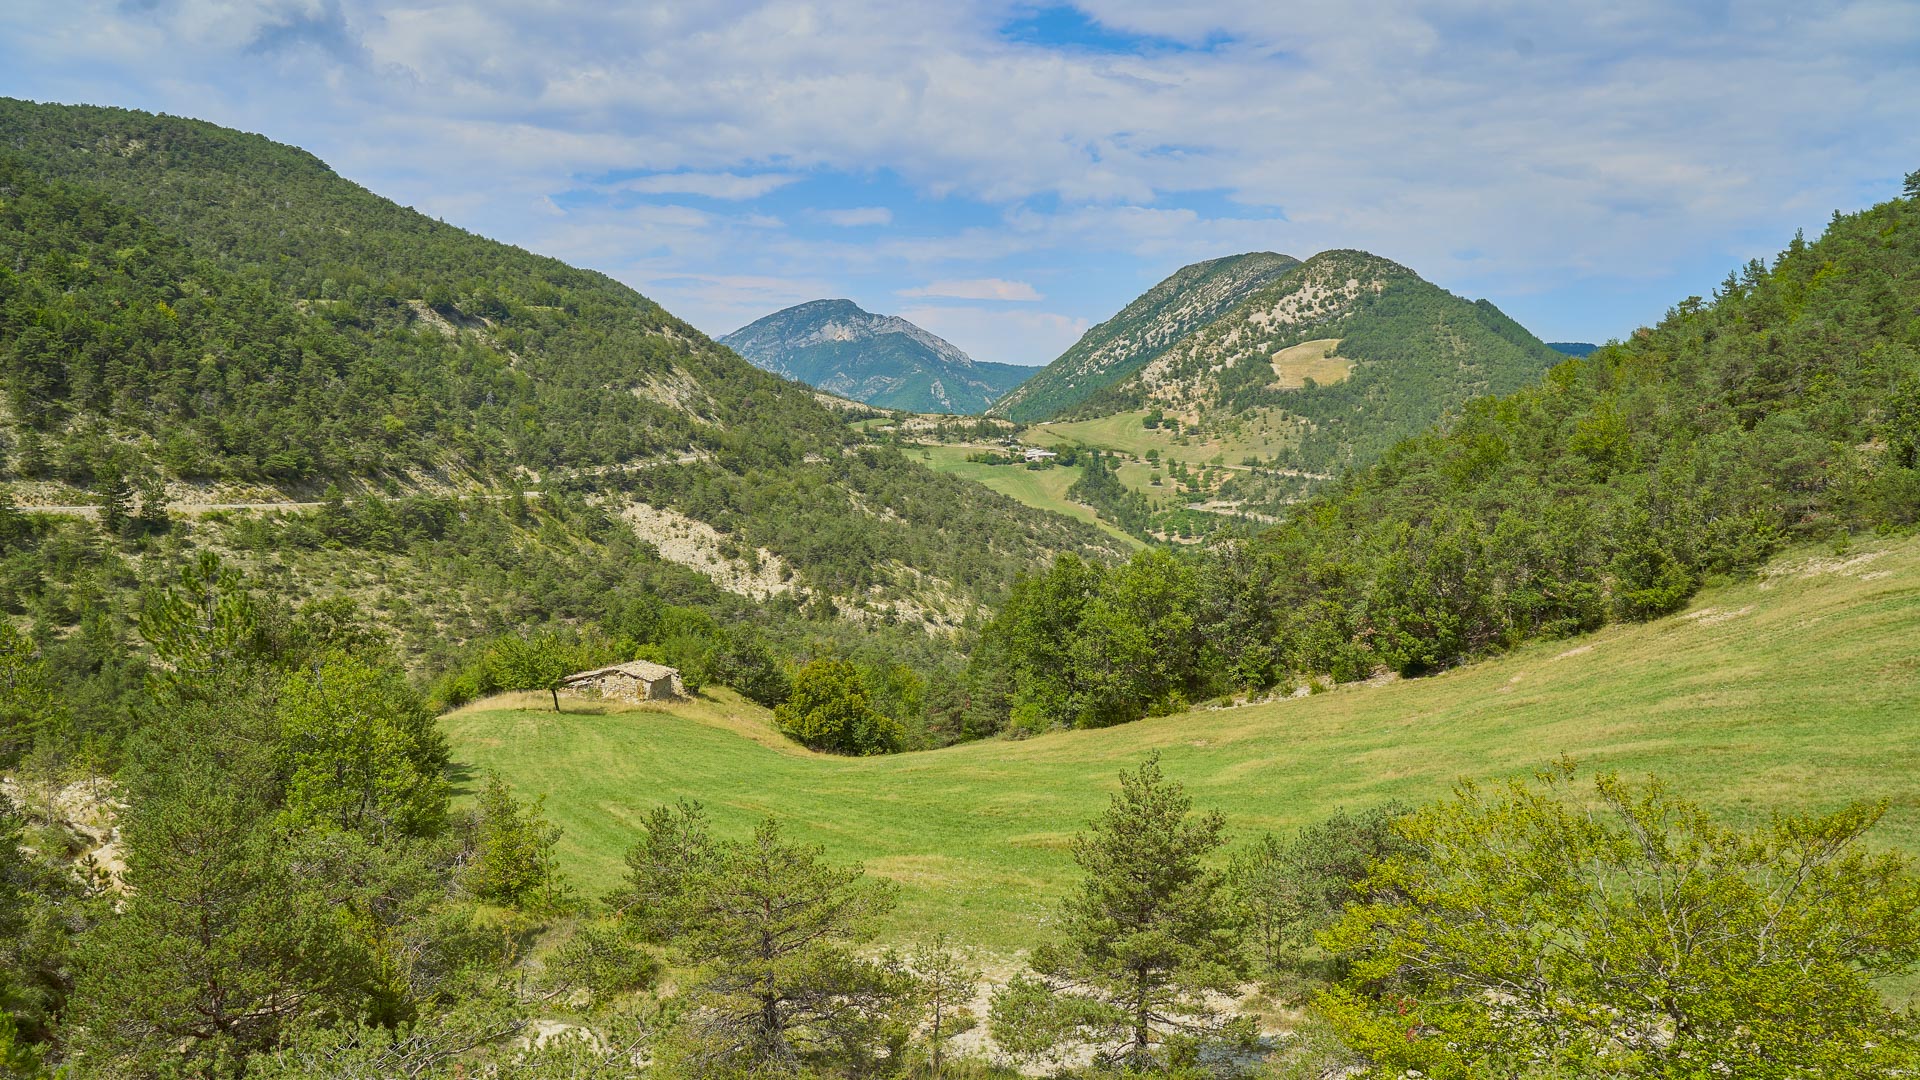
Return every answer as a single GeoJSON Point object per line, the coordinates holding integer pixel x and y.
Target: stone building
{"type": "Point", "coordinates": [637, 681]}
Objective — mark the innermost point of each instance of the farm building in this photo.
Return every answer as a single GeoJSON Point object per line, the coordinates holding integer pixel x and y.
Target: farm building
{"type": "Point", "coordinates": [635, 681]}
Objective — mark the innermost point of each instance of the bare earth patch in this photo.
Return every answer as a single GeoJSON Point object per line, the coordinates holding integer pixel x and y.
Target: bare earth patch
{"type": "Point", "coordinates": [700, 546]}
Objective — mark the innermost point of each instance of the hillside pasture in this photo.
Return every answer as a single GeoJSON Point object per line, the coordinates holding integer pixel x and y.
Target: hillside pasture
{"type": "Point", "coordinates": [1295, 364]}
{"type": "Point", "coordinates": [1797, 690]}
{"type": "Point", "coordinates": [1042, 489]}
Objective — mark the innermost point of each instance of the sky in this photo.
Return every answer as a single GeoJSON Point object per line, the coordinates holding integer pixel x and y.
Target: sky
{"type": "Point", "coordinates": [1007, 174]}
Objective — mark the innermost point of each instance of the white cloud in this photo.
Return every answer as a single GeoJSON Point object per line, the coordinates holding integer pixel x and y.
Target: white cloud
{"type": "Point", "coordinates": [1002, 335]}
{"type": "Point", "coordinates": [711, 185]}
{"type": "Point", "coordinates": [857, 216]}
{"type": "Point", "coordinates": [1568, 144]}
{"type": "Point", "coordinates": [975, 289]}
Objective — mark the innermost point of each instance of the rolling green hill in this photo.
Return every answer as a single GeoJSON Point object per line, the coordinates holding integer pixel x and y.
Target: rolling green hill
{"type": "Point", "coordinates": [219, 318]}
{"type": "Point", "coordinates": [1110, 352]}
{"type": "Point", "coordinates": [881, 360]}
{"type": "Point", "coordinates": [211, 340]}
{"type": "Point", "coordinates": [1283, 374]}
{"type": "Point", "coordinates": [1787, 410]}
{"type": "Point", "coordinates": [1797, 689]}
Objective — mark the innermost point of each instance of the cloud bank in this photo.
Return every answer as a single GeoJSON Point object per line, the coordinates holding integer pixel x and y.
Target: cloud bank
{"type": "Point", "coordinates": [1581, 164]}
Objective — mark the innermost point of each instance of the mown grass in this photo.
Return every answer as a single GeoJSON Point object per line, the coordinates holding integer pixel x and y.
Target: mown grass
{"type": "Point", "coordinates": [1042, 489]}
{"type": "Point", "coordinates": [1797, 690]}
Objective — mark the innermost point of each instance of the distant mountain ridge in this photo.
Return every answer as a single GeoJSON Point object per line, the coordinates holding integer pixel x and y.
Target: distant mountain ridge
{"type": "Point", "coordinates": [1573, 348]}
{"type": "Point", "coordinates": [882, 360]}
{"type": "Point", "coordinates": [1187, 299]}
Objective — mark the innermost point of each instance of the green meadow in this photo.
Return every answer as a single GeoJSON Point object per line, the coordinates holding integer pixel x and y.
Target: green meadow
{"type": "Point", "coordinates": [1799, 689]}
{"type": "Point", "coordinates": [1042, 489]}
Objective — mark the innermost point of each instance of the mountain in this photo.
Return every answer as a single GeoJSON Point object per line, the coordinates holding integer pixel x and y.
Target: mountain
{"type": "Point", "coordinates": [1785, 411]}
{"type": "Point", "coordinates": [1353, 351]}
{"type": "Point", "coordinates": [882, 360]}
{"type": "Point", "coordinates": [195, 321]}
{"type": "Point", "coordinates": [1573, 348]}
{"type": "Point", "coordinates": [1189, 298]}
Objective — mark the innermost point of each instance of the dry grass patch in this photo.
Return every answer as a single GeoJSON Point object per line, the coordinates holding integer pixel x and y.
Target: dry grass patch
{"type": "Point", "coordinates": [1295, 364]}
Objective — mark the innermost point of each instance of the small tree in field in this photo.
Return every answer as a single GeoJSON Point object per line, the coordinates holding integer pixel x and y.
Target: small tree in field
{"type": "Point", "coordinates": [1628, 936]}
{"type": "Point", "coordinates": [940, 992]}
{"type": "Point", "coordinates": [1148, 940]}
{"type": "Point", "coordinates": [535, 663]}
{"type": "Point", "coordinates": [512, 843]}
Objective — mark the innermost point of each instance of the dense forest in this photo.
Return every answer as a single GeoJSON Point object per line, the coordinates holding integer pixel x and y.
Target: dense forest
{"type": "Point", "coordinates": [1785, 409]}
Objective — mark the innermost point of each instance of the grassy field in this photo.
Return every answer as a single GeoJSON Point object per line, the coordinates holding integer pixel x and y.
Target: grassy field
{"type": "Point", "coordinates": [1044, 489]}
{"type": "Point", "coordinates": [1800, 689]}
{"type": "Point", "coordinates": [1294, 365]}
{"type": "Point", "coordinates": [1260, 435]}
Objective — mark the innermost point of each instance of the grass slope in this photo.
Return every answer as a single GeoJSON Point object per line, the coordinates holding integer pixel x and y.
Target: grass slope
{"type": "Point", "coordinates": [1799, 689]}
{"type": "Point", "coordinates": [1042, 489]}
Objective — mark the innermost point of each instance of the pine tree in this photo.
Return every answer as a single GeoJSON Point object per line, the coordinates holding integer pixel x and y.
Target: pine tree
{"type": "Point", "coordinates": [770, 927]}
{"type": "Point", "coordinates": [1147, 939]}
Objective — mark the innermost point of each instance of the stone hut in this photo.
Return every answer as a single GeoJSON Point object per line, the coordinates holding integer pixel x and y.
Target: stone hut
{"type": "Point", "coordinates": [636, 681]}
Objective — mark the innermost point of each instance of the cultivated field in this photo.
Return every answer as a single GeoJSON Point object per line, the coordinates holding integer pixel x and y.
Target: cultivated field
{"type": "Point", "coordinates": [1260, 434]}
{"type": "Point", "coordinates": [1800, 689]}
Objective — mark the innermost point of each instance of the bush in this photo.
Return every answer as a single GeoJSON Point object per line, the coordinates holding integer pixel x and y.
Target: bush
{"type": "Point", "coordinates": [829, 710]}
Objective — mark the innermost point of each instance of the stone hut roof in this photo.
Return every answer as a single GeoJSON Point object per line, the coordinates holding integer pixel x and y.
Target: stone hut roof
{"type": "Point", "coordinates": [639, 669]}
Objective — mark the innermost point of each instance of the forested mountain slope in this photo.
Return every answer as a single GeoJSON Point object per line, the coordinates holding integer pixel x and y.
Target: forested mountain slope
{"type": "Point", "coordinates": [882, 360]}
{"type": "Point", "coordinates": [182, 304]}
{"type": "Point", "coordinates": [1357, 352]}
{"type": "Point", "coordinates": [1786, 408]}
{"type": "Point", "coordinates": [1189, 298]}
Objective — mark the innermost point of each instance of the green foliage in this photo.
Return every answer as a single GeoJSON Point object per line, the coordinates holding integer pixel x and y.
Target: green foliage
{"type": "Point", "coordinates": [1147, 940]}
{"type": "Point", "coordinates": [769, 927]}
{"type": "Point", "coordinates": [360, 752]}
{"type": "Point", "coordinates": [828, 709]}
{"type": "Point", "coordinates": [28, 705]}
{"type": "Point", "coordinates": [603, 960]}
{"type": "Point", "coordinates": [940, 985]}
{"type": "Point", "coordinates": [41, 907]}
{"type": "Point", "coordinates": [509, 851]}
{"type": "Point", "coordinates": [531, 663]}
{"type": "Point", "coordinates": [1613, 488]}
{"type": "Point", "coordinates": [1086, 646]}
{"type": "Point", "coordinates": [202, 628]}
{"type": "Point", "coordinates": [1287, 892]}
{"type": "Point", "coordinates": [1099, 486]}
{"type": "Point", "coordinates": [1637, 938]}
{"type": "Point", "coordinates": [223, 939]}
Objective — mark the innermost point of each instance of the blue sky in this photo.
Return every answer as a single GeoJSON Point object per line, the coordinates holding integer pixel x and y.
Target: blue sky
{"type": "Point", "coordinates": [1007, 174]}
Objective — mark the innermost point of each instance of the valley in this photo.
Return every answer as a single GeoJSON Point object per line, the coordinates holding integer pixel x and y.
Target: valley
{"type": "Point", "coordinates": [378, 600]}
{"type": "Point", "coordinates": [1797, 690]}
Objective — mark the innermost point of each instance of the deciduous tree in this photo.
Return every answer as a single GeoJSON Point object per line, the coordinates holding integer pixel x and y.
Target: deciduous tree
{"type": "Point", "coordinates": [1625, 933]}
